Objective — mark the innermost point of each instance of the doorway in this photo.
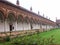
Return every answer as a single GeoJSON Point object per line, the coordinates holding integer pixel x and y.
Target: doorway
{"type": "Point", "coordinates": [10, 26]}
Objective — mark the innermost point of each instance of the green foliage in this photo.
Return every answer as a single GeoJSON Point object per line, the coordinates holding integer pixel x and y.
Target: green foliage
{"type": "Point", "coordinates": [16, 42]}
{"type": "Point", "coordinates": [11, 17]}
{"type": "Point", "coordinates": [20, 18]}
{"type": "Point", "coordinates": [7, 38]}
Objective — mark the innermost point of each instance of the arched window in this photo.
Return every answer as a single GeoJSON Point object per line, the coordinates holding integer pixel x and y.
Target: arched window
{"type": "Point", "coordinates": [11, 17]}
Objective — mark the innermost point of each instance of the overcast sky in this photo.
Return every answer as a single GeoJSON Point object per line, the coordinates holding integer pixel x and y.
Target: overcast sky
{"type": "Point", "coordinates": [50, 8]}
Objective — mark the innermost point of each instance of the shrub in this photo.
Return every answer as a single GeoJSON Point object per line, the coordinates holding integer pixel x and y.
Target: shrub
{"type": "Point", "coordinates": [16, 42]}
{"type": "Point", "coordinates": [7, 38]}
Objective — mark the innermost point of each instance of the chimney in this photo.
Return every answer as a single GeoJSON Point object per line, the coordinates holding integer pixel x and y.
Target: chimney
{"type": "Point", "coordinates": [38, 12]}
{"type": "Point", "coordinates": [43, 15]}
{"type": "Point", "coordinates": [30, 8]}
{"type": "Point", "coordinates": [49, 18]}
{"type": "Point", "coordinates": [56, 19]}
{"type": "Point", "coordinates": [17, 2]}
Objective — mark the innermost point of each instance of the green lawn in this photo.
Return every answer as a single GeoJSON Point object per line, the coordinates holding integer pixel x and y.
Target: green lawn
{"type": "Point", "coordinates": [55, 33]}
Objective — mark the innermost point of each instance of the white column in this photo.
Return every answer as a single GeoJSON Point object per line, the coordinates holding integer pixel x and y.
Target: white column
{"type": "Point", "coordinates": [15, 26]}
{"type": "Point", "coordinates": [6, 26]}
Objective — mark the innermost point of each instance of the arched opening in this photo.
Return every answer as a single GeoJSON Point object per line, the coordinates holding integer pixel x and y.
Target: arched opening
{"type": "Point", "coordinates": [20, 18]}
{"type": "Point", "coordinates": [35, 21]}
{"type": "Point", "coordinates": [31, 20]}
{"type": "Point", "coordinates": [1, 16]}
{"type": "Point", "coordinates": [11, 21]}
{"type": "Point", "coordinates": [20, 22]}
{"type": "Point", "coordinates": [2, 25]}
{"type": "Point", "coordinates": [31, 23]}
{"type": "Point", "coordinates": [38, 21]}
{"type": "Point", "coordinates": [26, 23]}
{"type": "Point", "coordinates": [26, 19]}
{"type": "Point", "coordinates": [11, 17]}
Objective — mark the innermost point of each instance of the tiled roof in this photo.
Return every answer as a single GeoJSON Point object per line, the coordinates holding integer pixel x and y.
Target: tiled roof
{"type": "Point", "coordinates": [21, 8]}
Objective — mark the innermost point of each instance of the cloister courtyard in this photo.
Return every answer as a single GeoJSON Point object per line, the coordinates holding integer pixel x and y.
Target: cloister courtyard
{"type": "Point", "coordinates": [19, 26]}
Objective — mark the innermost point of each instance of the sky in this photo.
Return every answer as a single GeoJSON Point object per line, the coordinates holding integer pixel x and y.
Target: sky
{"type": "Point", "coordinates": [48, 8]}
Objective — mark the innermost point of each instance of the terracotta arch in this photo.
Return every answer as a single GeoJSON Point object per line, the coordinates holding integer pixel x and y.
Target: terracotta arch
{"type": "Point", "coordinates": [31, 20]}
{"type": "Point", "coordinates": [20, 18]}
{"type": "Point", "coordinates": [39, 22]}
{"type": "Point", "coordinates": [3, 11]}
{"type": "Point", "coordinates": [1, 16]}
{"type": "Point", "coordinates": [35, 21]}
{"type": "Point", "coordinates": [26, 19]}
{"type": "Point", "coordinates": [11, 17]}
{"type": "Point", "coordinates": [10, 11]}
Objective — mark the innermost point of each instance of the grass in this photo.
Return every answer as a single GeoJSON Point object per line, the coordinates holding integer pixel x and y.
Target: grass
{"type": "Point", "coordinates": [37, 37]}
{"type": "Point", "coordinates": [55, 33]}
